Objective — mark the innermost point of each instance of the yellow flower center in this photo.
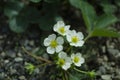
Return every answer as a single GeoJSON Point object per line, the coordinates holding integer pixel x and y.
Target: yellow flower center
{"type": "Point", "coordinates": [76, 59]}
{"type": "Point", "coordinates": [75, 39]}
{"type": "Point", "coordinates": [53, 43]}
{"type": "Point", "coordinates": [61, 62]}
{"type": "Point", "coordinates": [62, 30]}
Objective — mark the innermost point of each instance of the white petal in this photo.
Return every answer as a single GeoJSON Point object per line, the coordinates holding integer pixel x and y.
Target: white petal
{"type": "Point", "coordinates": [82, 60]}
{"type": "Point", "coordinates": [50, 50]}
{"type": "Point", "coordinates": [62, 55]}
{"type": "Point", "coordinates": [52, 37]}
{"type": "Point", "coordinates": [68, 38]}
{"type": "Point", "coordinates": [78, 54]}
{"type": "Point", "coordinates": [80, 43]}
{"type": "Point", "coordinates": [55, 28]}
{"type": "Point", "coordinates": [78, 64]}
{"type": "Point", "coordinates": [80, 35]}
{"type": "Point", "coordinates": [59, 48]}
{"type": "Point", "coordinates": [73, 32]}
{"type": "Point", "coordinates": [66, 66]}
{"type": "Point", "coordinates": [72, 56]}
{"type": "Point", "coordinates": [68, 59]}
{"type": "Point", "coordinates": [60, 40]}
{"type": "Point", "coordinates": [46, 42]}
{"type": "Point", "coordinates": [69, 32]}
{"type": "Point", "coordinates": [73, 44]}
{"type": "Point", "coordinates": [67, 27]}
{"type": "Point", "coordinates": [60, 23]}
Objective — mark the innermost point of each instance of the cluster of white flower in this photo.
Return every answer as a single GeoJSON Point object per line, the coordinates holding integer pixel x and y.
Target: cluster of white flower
{"type": "Point", "coordinates": [54, 44]}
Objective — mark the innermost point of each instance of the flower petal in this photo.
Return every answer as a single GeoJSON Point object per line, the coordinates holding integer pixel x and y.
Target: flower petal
{"type": "Point", "coordinates": [78, 64]}
{"type": "Point", "coordinates": [60, 23]}
{"type": "Point", "coordinates": [78, 54]}
{"type": "Point", "coordinates": [67, 27]}
{"type": "Point", "coordinates": [82, 60]}
{"type": "Point", "coordinates": [73, 44]}
{"type": "Point", "coordinates": [68, 59]}
{"type": "Point", "coordinates": [80, 43]}
{"type": "Point", "coordinates": [55, 27]}
{"type": "Point", "coordinates": [59, 48]}
{"type": "Point", "coordinates": [62, 55]}
{"type": "Point", "coordinates": [50, 50]}
{"type": "Point", "coordinates": [68, 38]}
{"type": "Point", "coordinates": [52, 37]}
{"type": "Point", "coordinates": [80, 35]}
{"type": "Point", "coordinates": [73, 32]}
{"type": "Point", "coordinates": [72, 56]}
{"type": "Point", "coordinates": [60, 40]}
{"type": "Point", "coordinates": [46, 42]}
{"type": "Point", "coordinates": [66, 66]}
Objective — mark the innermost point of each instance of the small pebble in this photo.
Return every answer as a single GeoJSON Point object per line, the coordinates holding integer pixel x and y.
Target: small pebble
{"type": "Point", "coordinates": [19, 54]}
{"type": "Point", "coordinates": [102, 69]}
{"type": "Point", "coordinates": [18, 59]}
{"type": "Point", "coordinates": [6, 61]}
{"type": "Point", "coordinates": [3, 54]}
{"type": "Point", "coordinates": [106, 77]}
{"type": "Point", "coordinates": [37, 70]}
{"type": "Point", "coordinates": [31, 43]}
{"type": "Point", "coordinates": [22, 78]}
{"type": "Point", "coordinates": [13, 71]}
{"type": "Point", "coordinates": [2, 75]}
{"type": "Point", "coordinates": [11, 54]}
{"type": "Point", "coordinates": [105, 58]}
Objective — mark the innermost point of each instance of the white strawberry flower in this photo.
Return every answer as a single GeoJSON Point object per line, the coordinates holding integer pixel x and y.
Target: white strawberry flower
{"type": "Point", "coordinates": [61, 28]}
{"type": "Point", "coordinates": [53, 43]}
{"type": "Point", "coordinates": [75, 38]}
{"type": "Point", "coordinates": [64, 61]}
{"type": "Point", "coordinates": [77, 59]}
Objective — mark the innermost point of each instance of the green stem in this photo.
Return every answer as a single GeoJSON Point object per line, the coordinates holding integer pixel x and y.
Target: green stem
{"type": "Point", "coordinates": [68, 49]}
{"type": "Point", "coordinates": [89, 35]}
{"type": "Point", "coordinates": [84, 72]}
{"type": "Point", "coordinates": [37, 57]}
{"type": "Point", "coordinates": [41, 65]}
{"type": "Point", "coordinates": [66, 76]}
{"type": "Point", "coordinates": [63, 77]}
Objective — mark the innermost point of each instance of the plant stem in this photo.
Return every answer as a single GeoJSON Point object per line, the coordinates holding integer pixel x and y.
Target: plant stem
{"type": "Point", "coordinates": [84, 72]}
{"type": "Point", "coordinates": [41, 65]}
{"type": "Point", "coordinates": [89, 35]}
{"type": "Point", "coordinates": [66, 76]}
{"type": "Point", "coordinates": [68, 49]}
{"type": "Point", "coordinates": [36, 57]}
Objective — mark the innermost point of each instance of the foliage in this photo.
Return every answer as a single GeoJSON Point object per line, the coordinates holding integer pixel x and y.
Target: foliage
{"type": "Point", "coordinates": [45, 13]}
{"type": "Point", "coordinates": [21, 14]}
{"type": "Point", "coordinates": [30, 67]}
{"type": "Point", "coordinates": [96, 25]}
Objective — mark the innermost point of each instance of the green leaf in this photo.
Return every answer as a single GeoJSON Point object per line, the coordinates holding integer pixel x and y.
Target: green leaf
{"type": "Point", "coordinates": [13, 8]}
{"type": "Point", "coordinates": [30, 67]}
{"type": "Point", "coordinates": [117, 2]}
{"type": "Point", "coordinates": [47, 22]}
{"type": "Point", "coordinates": [35, 1]}
{"type": "Point", "coordinates": [73, 77]}
{"type": "Point", "coordinates": [50, 16]}
{"type": "Point", "coordinates": [18, 24]}
{"type": "Point", "coordinates": [31, 14]}
{"type": "Point", "coordinates": [105, 33]}
{"type": "Point", "coordinates": [51, 1]}
{"type": "Point", "coordinates": [109, 8]}
{"type": "Point", "coordinates": [88, 12]}
{"type": "Point", "coordinates": [105, 21]}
